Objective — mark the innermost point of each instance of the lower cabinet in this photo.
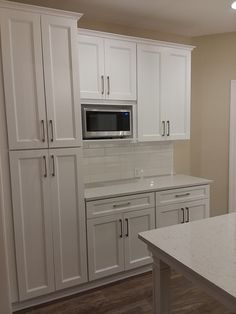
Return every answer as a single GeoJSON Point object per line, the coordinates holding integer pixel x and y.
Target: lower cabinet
{"type": "Point", "coordinates": [182, 213]}
{"type": "Point", "coordinates": [113, 244]}
{"type": "Point", "coordinates": [49, 220]}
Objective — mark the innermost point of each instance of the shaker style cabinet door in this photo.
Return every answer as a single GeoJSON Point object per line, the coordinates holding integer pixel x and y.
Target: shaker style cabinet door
{"type": "Point", "coordinates": [32, 222]}
{"type": "Point", "coordinates": [91, 67]}
{"type": "Point", "coordinates": [175, 93]}
{"type": "Point", "coordinates": [150, 127]}
{"type": "Point", "coordinates": [68, 217]}
{"type": "Point", "coordinates": [23, 79]}
{"type": "Point", "coordinates": [170, 215]}
{"type": "Point", "coordinates": [59, 38]}
{"type": "Point", "coordinates": [136, 252]}
{"type": "Point", "coordinates": [105, 246]}
{"type": "Point", "coordinates": [120, 69]}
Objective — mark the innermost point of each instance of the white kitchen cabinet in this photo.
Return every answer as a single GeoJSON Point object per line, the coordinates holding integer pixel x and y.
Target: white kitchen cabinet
{"type": "Point", "coordinates": [69, 233]}
{"type": "Point", "coordinates": [21, 47]}
{"type": "Point", "coordinates": [91, 67]}
{"type": "Point", "coordinates": [107, 68]}
{"type": "Point", "coordinates": [40, 72]}
{"type": "Point", "coordinates": [49, 220]}
{"type": "Point", "coordinates": [149, 93]}
{"type": "Point", "coordinates": [175, 93]}
{"type": "Point", "coordinates": [136, 253]}
{"type": "Point", "coordinates": [182, 205]}
{"type": "Point", "coordinates": [164, 79]}
{"type": "Point", "coordinates": [113, 244]}
{"type": "Point", "coordinates": [59, 37]}
{"type": "Point", "coordinates": [105, 246]}
{"type": "Point", "coordinates": [32, 222]}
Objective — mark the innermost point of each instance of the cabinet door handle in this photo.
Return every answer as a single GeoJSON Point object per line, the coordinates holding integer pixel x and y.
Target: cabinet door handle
{"type": "Point", "coordinates": [102, 78]}
{"type": "Point", "coordinates": [127, 227]}
{"type": "Point", "coordinates": [182, 195]}
{"type": "Point", "coordinates": [43, 130]}
{"type": "Point", "coordinates": [121, 228]}
{"type": "Point", "coordinates": [121, 205]}
{"type": "Point", "coordinates": [45, 167]}
{"type": "Point", "coordinates": [183, 218]}
{"type": "Point", "coordinates": [168, 128]}
{"type": "Point", "coordinates": [188, 218]}
{"type": "Point", "coordinates": [163, 128]}
{"type": "Point", "coordinates": [53, 166]}
{"type": "Point", "coordinates": [108, 85]}
{"type": "Point", "coordinates": [52, 133]}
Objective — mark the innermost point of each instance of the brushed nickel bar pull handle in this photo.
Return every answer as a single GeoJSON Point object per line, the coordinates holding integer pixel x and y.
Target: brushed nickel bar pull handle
{"type": "Point", "coordinates": [127, 227]}
{"type": "Point", "coordinates": [102, 78]}
{"type": "Point", "coordinates": [52, 133]}
{"type": "Point", "coordinates": [163, 128]}
{"type": "Point", "coordinates": [182, 195]}
{"type": "Point", "coordinates": [53, 166]}
{"type": "Point", "coordinates": [43, 128]}
{"type": "Point", "coordinates": [188, 218]}
{"type": "Point", "coordinates": [183, 218]}
{"type": "Point", "coordinates": [108, 85]}
{"type": "Point", "coordinates": [45, 167]}
{"type": "Point", "coordinates": [168, 128]}
{"type": "Point", "coordinates": [121, 205]}
{"type": "Point", "coordinates": [121, 228]}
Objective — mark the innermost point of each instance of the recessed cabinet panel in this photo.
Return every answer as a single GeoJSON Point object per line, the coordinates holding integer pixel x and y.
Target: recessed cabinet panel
{"type": "Point", "coordinates": [68, 217]}
{"type": "Point", "coordinates": [169, 215]}
{"type": "Point", "coordinates": [32, 222]}
{"type": "Point", "coordinates": [136, 252]}
{"type": "Point", "coordinates": [120, 69]}
{"type": "Point", "coordinates": [176, 93]}
{"type": "Point", "coordinates": [198, 210]}
{"type": "Point", "coordinates": [105, 246]}
{"type": "Point", "coordinates": [91, 67]}
{"type": "Point", "coordinates": [149, 93]}
{"type": "Point", "coordinates": [61, 81]}
{"type": "Point", "coordinates": [23, 79]}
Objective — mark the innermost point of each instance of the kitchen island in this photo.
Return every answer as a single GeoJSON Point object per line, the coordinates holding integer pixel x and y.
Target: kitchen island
{"type": "Point", "coordinates": [203, 251]}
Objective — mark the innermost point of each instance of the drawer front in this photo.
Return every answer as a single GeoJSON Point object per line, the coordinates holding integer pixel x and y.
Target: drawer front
{"type": "Point", "coordinates": [109, 206]}
{"type": "Point", "coordinates": [182, 195]}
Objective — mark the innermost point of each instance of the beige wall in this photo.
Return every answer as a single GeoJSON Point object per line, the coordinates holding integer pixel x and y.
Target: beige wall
{"type": "Point", "coordinates": [213, 66]}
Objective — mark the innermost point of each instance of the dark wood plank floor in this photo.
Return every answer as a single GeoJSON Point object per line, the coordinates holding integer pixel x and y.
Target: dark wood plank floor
{"type": "Point", "coordinates": [133, 296]}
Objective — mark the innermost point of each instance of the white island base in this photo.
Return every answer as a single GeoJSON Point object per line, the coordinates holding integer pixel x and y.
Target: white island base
{"type": "Point", "coordinates": [203, 251]}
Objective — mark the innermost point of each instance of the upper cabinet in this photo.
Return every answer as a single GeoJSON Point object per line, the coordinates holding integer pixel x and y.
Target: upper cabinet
{"type": "Point", "coordinates": [107, 68]}
{"type": "Point", "coordinates": [40, 73]}
{"type": "Point", "coordinates": [164, 76]}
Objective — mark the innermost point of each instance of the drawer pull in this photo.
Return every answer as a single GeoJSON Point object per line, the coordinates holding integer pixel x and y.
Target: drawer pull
{"type": "Point", "coordinates": [187, 210]}
{"type": "Point", "coordinates": [121, 228]}
{"type": "Point", "coordinates": [121, 205]}
{"type": "Point", "coordinates": [182, 195]}
{"type": "Point", "coordinates": [182, 222]}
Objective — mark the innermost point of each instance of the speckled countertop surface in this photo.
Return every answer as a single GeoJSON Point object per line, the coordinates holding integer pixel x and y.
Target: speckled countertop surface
{"type": "Point", "coordinates": [207, 247]}
{"type": "Point", "coordinates": [132, 186]}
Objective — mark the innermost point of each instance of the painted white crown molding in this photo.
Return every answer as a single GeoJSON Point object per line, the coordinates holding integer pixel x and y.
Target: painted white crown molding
{"type": "Point", "coordinates": [39, 9]}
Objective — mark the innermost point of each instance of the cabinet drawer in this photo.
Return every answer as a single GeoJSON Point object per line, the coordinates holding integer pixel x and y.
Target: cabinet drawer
{"type": "Point", "coordinates": [182, 195]}
{"type": "Point", "coordinates": [119, 204]}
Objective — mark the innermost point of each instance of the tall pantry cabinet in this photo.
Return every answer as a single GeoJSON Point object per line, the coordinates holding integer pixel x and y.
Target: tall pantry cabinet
{"type": "Point", "coordinates": [40, 72]}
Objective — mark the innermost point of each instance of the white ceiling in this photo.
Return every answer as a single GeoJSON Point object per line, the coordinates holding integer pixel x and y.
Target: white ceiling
{"type": "Point", "coordinates": [183, 17]}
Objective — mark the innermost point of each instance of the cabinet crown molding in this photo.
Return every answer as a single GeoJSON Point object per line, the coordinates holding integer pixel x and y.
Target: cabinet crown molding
{"type": "Point", "coordinates": [138, 40]}
{"type": "Point", "coordinates": [38, 9]}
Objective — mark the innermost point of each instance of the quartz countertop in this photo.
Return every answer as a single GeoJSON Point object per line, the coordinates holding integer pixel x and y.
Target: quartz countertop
{"type": "Point", "coordinates": [132, 186]}
{"type": "Point", "coordinates": [206, 247]}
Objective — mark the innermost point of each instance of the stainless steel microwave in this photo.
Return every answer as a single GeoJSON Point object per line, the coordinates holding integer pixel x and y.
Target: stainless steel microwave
{"type": "Point", "coordinates": [106, 121]}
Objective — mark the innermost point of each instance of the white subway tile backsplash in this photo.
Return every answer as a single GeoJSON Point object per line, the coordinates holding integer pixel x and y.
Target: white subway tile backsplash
{"type": "Point", "coordinates": [115, 161]}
